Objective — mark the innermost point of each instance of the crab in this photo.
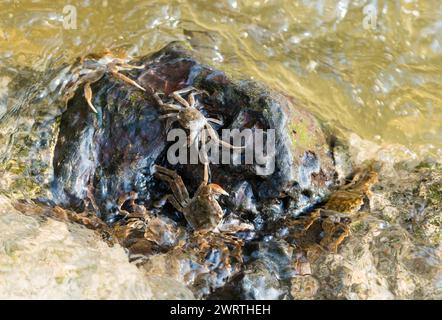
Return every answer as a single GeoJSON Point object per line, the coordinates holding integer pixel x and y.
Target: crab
{"type": "Point", "coordinates": [90, 68]}
{"type": "Point", "coordinates": [326, 228]}
{"type": "Point", "coordinates": [202, 212]}
{"type": "Point", "coordinates": [350, 197]}
{"type": "Point", "coordinates": [144, 233]}
{"type": "Point", "coordinates": [334, 226]}
{"type": "Point", "coordinates": [189, 117]}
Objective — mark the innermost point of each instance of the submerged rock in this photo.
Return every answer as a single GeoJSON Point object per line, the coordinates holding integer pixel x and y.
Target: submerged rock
{"type": "Point", "coordinates": [266, 276]}
{"type": "Point", "coordinates": [260, 283]}
{"type": "Point", "coordinates": [381, 261]}
{"type": "Point", "coordinates": [304, 287]}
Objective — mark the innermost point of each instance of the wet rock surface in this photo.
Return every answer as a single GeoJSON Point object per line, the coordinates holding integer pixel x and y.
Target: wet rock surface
{"type": "Point", "coordinates": [414, 201]}
{"type": "Point", "coordinates": [394, 247]}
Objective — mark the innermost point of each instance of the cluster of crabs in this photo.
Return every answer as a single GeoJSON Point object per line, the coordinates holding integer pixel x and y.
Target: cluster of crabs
{"type": "Point", "coordinates": [212, 233]}
{"type": "Point", "coordinates": [202, 212]}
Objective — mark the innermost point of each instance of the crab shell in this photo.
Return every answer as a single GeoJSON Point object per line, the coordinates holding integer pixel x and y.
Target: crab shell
{"type": "Point", "coordinates": [204, 211]}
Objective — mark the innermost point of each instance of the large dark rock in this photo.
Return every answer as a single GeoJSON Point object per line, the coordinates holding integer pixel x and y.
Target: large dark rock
{"type": "Point", "coordinates": [111, 154]}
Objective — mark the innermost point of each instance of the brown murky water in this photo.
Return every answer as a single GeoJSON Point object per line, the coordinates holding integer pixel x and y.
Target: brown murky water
{"type": "Point", "coordinates": [373, 68]}
{"type": "Point", "coordinates": [381, 81]}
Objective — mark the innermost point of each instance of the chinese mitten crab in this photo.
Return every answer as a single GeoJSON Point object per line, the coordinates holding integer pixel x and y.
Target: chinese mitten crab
{"type": "Point", "coordinates": [202, 212]}
{"type": "Point", "coordinates": [189, 117]}
{"type": "Point", "coordinates": [92, 67]}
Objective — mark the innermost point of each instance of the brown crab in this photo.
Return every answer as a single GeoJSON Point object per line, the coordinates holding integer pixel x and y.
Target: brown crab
{"type": "Point", "coordinates": [190, 118]}
{"type": "Point", "coordinates": [350, 198]}
{"type": "Point", "coordinates": [326, 228]}
{"type": "Point", "coordinates": [90, 68]}
{"type": "Point", "coordinates": [202, 212]}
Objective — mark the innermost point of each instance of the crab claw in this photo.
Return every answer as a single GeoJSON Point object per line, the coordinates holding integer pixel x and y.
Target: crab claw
{"type": "Point", "coordinates": [217, 189]}
{"type": "Point", "coordinates": [154, 168]}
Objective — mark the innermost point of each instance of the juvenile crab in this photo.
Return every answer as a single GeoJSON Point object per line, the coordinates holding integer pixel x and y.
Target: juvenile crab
{"type": "Point", "coordinates": [202, 212]}
{"type": "Point", "coordinates": [189, 117]}
{"type": "Point", "coordinates": [90, 68]}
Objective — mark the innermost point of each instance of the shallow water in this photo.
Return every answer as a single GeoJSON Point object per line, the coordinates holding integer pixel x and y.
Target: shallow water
{"type": "Point", "coordinates": [382, 83]}
{"type": "Point", "coordinates": [377, 76]}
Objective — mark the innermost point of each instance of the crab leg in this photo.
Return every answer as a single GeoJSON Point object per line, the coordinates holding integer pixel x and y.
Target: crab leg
{"type": "Point", "coordinates": [88, 96]}
{"type": "Point", "coordinates": [180, 99]}
{"type": "Point", "coordinates": [213, 135]}
{"type": "Point", "coordinates": [130, 67]}
{"type": "Point", "coordinates": [167, 115]}
{"type": "Point", "coordinates": [175, 183]}
{"type": "Point", "coordinates": [184, 90]}
{"type": "Point", "coordinates": [169, 121]}
{"type": "Point", "coordinates": [126, 79]}
{"type": "Point", "coordinates": [215, 121]}
{"type": "Point", "coordinates": [192, 100]}
{"type": "Point", "coordinates": [165, 105]}
{"type": "Point", "coordinates": [190, 88]}
{"type": "Point", "coordinates": [205, 160]}
{"type": "Point", "coordinates": [175, 202]}
{"type": "Point", "coordinates": [193, 137]}
{"type": "Point", "coordinates": [206, 173]}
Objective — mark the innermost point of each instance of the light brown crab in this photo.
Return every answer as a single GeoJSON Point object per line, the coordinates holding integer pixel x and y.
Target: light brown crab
{"type": "Point", "coordinates": [350, 198]}
{"type": "Point", "coordinates": [202, 212]}
{"type": "Point", "coordinates": [326, 228]}
{"type": "Point", "coordinates": [90, 68]}
{"type": "Point", "coordinates": [189, 117]}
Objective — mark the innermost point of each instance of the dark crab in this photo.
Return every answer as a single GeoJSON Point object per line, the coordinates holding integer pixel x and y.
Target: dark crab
{"type": "Point", "coordinates": [202, 212]}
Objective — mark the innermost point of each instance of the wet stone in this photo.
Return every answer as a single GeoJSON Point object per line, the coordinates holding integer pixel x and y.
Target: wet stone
{"type": "Point", "coordinates": [304, 287]}
{"type": "Point", "coordinates": [260, 283]}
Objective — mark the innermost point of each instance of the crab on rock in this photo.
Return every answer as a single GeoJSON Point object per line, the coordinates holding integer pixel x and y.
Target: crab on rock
{"type": "Point", "coordinates": [189, 117]}
{"type": "Point", "coordinates": [202, 212]}
{"type": "Point", "coordinates": [90, 68]}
